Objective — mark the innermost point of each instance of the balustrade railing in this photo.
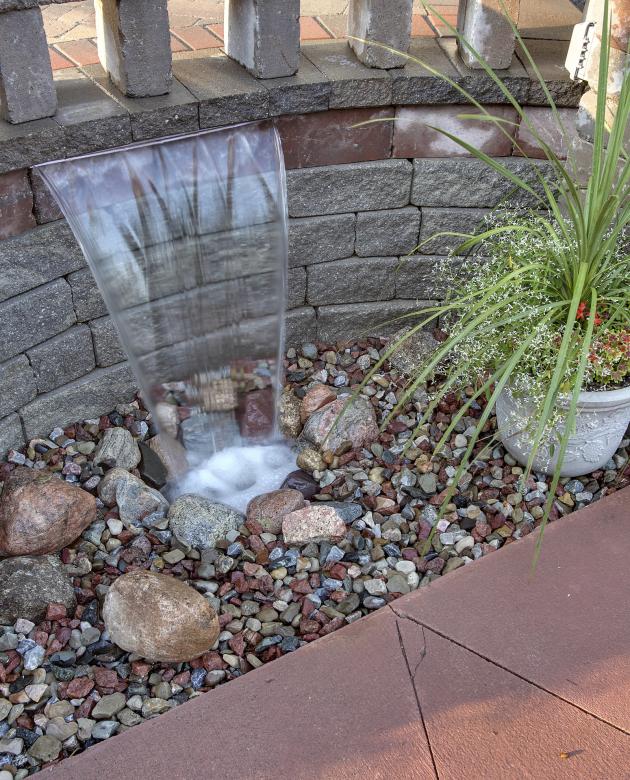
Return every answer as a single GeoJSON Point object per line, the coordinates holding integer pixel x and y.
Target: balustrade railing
{"type": "Point", "coordinates": [262, 35]}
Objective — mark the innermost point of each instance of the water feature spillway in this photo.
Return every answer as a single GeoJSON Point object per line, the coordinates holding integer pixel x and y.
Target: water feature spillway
{"type": "Point", "coordinates": [187, 240]}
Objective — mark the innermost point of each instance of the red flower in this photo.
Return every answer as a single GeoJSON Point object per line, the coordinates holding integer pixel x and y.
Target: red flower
{"type": "Point", "coordinates": [581, 313]}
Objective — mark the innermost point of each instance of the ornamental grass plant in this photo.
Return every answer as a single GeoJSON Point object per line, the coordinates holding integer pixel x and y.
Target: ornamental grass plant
{"type": "Point", "coordinates": [542, 306]}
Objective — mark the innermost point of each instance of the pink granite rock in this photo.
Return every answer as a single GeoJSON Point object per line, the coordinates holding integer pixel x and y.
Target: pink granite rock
{"type": "Point", "coordinates": [313, 524]}
{"type": "Point", "coordinates": [270, 508]}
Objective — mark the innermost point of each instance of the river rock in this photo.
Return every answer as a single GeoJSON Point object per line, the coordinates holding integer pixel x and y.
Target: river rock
{"type": "Point", "coordinates": [256, 414]}
{"type": "Point", "coordinates": [269, 508]}
{"type": "Point", "coordinates": [328, 428]}
{"type": "Point", "coordinates": [135, 500]}
{"type": "Point", "coordinates": [316, 397]}
{"type": "Point", "coordinates": [29, 584]}
{"type": "Point", "coordinates": [289, 420]}
{"type": "Point", "coordinates": [300, 480]}
{"type": "Point", "coordinates": [414, 352]}
{"type": "Point", "coordinates": [117, 448]}
{"type": "Point", "coordinates": [200, 522]}
{"type": "Point", "coordinates": [41, 513]}
{"type": "Point", "coordinates": [171, 453]}
{"type": "Point", "coordinates": [159, 618]}
{"type": "Point", "coordinates": [313, 524]}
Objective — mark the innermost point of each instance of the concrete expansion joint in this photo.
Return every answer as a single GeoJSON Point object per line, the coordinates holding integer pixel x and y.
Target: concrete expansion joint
{"type": "Point", "coordinates": [410, 619]}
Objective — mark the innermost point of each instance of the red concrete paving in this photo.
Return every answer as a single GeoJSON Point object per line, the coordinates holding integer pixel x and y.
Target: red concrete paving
{"type": "Point", "coordinates": [511, 676]}
{"type": "Point", "coordinates": [566, 627]}
{"type": "Point", "coordinates": [485, 722]}
{"type": "Point", "coordinates": [305, 717]}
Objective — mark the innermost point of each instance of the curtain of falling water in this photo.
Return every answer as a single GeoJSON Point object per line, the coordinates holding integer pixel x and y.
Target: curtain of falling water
{"type": "Point", "coordinates": [187, 240]}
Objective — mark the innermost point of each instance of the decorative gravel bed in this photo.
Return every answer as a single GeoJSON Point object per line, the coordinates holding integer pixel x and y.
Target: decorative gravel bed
{"type": "Point", "coordinates": [345, 536]}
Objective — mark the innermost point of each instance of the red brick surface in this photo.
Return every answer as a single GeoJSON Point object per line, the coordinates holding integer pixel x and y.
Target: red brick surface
{"type": "Point", "coordinates": [329, 138]}
{"type": "Point", "coordinates": [197, 37]}
{"type": "Point", "coordinates": [311, 30]}
{"type": "Point", "coordinates": [415, 136]}
{"type": "Point", "coordinates": [57, 61]}
{"type": "Point", "coordinates": [16, 204]}
{"type": "Point", "coordinates": [545, 125]}
{"type": "Point", "coordinates": [81, 52]}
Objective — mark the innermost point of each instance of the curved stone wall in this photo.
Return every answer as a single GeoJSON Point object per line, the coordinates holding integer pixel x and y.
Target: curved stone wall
{"type": "Point", "coordinates": [360, 198]}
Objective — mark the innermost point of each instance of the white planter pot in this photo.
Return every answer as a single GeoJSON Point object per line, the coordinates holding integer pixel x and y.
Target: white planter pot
{"type": "Point", "coordinates": [602, 420]}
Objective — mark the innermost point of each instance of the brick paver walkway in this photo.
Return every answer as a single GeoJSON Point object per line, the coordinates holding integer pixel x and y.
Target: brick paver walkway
{"type": "Point", "coordinates": [492, 672]}
{"type": "Point", "coordinates": [198, 24]}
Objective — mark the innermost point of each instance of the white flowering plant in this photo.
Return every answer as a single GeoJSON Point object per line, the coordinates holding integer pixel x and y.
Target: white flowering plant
{"type": "Point", "coordinates": [548, 288]}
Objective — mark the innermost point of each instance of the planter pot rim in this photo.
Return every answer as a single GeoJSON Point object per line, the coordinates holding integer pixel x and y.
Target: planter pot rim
{"type": "Point", "coordinates": [597, 399]}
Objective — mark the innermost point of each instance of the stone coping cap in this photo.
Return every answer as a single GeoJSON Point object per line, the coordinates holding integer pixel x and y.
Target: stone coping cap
{"type": "Point", "coordinates": [330, 76]}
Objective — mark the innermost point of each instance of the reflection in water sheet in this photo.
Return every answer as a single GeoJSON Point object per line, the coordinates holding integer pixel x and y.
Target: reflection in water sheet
{"type": "Point", "coordinates": [187, 240]}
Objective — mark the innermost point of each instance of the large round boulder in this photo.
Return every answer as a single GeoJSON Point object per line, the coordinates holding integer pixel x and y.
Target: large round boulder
{"type": "Point", "coordinates": [268, 509]}
{"type": "Point", "coordinates": [200, 522]}
{"type": "Point", "coordinates": [41, 513]}
{"type": "Point", "coordinates": [159, 618]}
{"type": "Point", "coordinates": [335, 424]}
{"type": "Point", "coordinates": [28, 585]}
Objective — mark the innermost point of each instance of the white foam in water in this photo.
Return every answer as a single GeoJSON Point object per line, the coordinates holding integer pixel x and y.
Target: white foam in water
{"type": "Point", "coordinates": [235, 475]}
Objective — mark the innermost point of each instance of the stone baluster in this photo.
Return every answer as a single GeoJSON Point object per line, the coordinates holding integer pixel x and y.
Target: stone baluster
{"type": "Point", "coordinates": [27, 90]}
{"type": "Point", "coordinates": [380, 21]}
{"type": "Point", "coordinates": [264, 36]}
{"type": "Point", "coordinates": [484, 24]}
{"type": "Point", "coordinates": [134, 45]}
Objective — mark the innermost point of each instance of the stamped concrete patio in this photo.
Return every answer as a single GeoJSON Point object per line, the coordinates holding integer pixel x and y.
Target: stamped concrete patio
{"type": "Point", "coordinates": [491, 672]}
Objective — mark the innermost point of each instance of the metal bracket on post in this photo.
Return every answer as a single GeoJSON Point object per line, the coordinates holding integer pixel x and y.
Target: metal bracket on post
{"type": "Point", "coordinates": [580, 49]}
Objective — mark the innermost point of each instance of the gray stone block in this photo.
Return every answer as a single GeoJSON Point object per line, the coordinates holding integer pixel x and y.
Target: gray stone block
{"type": "Point", "coordinates": [17, 384]}
{"type": "Point", "coordinates": [264, 36]}
{"type": "Point", "coordinates": [318, 239]}
{"type": "Point", "coordinates": [225, 90]}
{"type": "Point", "coordinates": [485, 26]}
{"type": "Point", "coordinates": [134, 45]}
{"type": "Point", "coordinates": [296, 291]}
{"type": "Point", "coordinates": [355, 320]}
{"type": "Point", "coordinates": [424, 278]}
{"type": "Point", "coordinates": [415, 85]}
{"type": "Point", "coordinates": [30, 143]}
{"type": "Point", "coordinates": [480, 85]}
{"type": "Point", "coordinates": [107, 346]}
{"type": "Point", "coordinates": [391, 232]}
{"type": "Point", "coordinates": [300, 326]}
{"type": "Point", "coordinates": [448, 220]}
{"type": "Point", "coordinates": [86, 298]}
{"type": "Point", "coordinates": [350, 281]}
{"type": "Point", "coordinates": [335, 189]}
{"type": "Point", "coordinates": [92, 395]}
{"type": "Point", "coordinates": [380, 21]}
{"type": "Point", "coordinates": [90, 118]}
{"type": "Point", "coordinates": [63, 358]}
{"type": "Point", "coordinates": [153, 117]}
{"type": "Point", "coordinates": [35, 316]}
{"type": "Point", "coordinates": [549, 57]}
{"type": "Point", "coordinates": [17, 5]}
{"type": "Point", "coordinates": [305, 92]}
{"type": "Point", "coordinates": [11, 434]}
{"type": "Point", "coordinates": [352, 83]}
{"type": "Point", "coordinates": [442, 182]}
{"type": "Point", "coordinates": [45, 206]}
{"type": "Point", "coordinates": [37, 257]}
{"type": "Point", "coordinates": [27, 91]}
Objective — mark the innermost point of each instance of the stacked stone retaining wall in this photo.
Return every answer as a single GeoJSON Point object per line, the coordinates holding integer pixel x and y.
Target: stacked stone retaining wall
{"type": "Point", "coordinates": [361, 197]}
